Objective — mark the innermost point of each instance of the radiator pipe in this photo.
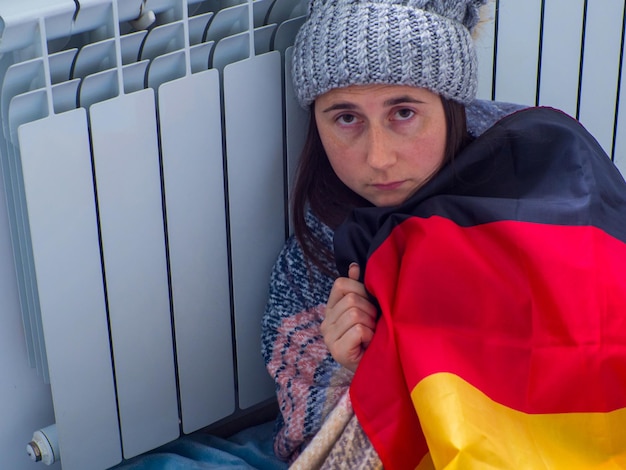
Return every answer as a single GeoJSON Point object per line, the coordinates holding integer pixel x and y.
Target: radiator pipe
{"type": "Point", "coordinates": [44, 446]}
{"type": "Point", "coordinates": [145, 19]}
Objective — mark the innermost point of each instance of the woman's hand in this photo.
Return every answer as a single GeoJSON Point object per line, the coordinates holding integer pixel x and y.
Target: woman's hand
{"type": "Point", "coordinates": [350, 320]}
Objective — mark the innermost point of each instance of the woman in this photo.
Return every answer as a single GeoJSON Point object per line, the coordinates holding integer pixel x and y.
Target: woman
{"type": "Point", "coordinates": [388, 84]}
{"type": "Point", "coordinates": [358, 106]}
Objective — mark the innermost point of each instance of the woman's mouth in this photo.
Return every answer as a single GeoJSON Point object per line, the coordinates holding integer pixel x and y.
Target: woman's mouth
{"type": "Point", "coordinates": [388, 186]}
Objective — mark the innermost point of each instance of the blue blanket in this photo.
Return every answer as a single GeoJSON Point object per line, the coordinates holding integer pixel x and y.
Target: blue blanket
{"type": "Point", "coordinates": [248, 449]}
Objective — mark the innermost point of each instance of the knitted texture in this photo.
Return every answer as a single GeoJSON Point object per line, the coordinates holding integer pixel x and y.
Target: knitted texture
{"type": "Point", "coordinates": [353, 450]}
{"type": "Point", "coordinates": [340, 443]}
{"type": "Point", "coordinates": [309, 382]}
{"type": "Point", "coordinates": [422, 43]}
{"type": "Point", "coordinates": [316, 452]}
{"type": "Point", "coordinates": [482, 114]}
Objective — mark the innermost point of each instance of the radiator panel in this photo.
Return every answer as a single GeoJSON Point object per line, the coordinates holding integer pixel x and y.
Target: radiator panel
{"type": "Point", "coordinates": [23, 108]}
{"type": "Point", "coordinates": [17, 79]}
{"type": "Point", "coordinates": [227, 22]}
{"type": "Point", "coordinates": [600, 75]}
{"type": "Point", "coordinates": [254, 149]}
{"type": "Point", "coordinates": [561, 54]}
{"type": "Point", "coordinates": [126, 156]}
{"type": "Point", "coordinates": [485, 51]}
{"type": "Point", "coordinates": [286, 35]}
{"type": "Point", "coordinates": [619, 151]}
{"type": "Point", "coordinates": [518, 51]}
{"type": "Point", "coordinates": [61, 203]}
{"type": "Point", "coordinates": [191, 138]}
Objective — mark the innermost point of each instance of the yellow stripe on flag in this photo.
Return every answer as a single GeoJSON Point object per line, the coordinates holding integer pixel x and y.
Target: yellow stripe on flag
{"type": "Point", "coordinates": [465, 429]}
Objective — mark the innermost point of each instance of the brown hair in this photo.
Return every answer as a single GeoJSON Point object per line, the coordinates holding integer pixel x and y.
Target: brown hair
{"type": "Point", "coordinates": [318, 187]}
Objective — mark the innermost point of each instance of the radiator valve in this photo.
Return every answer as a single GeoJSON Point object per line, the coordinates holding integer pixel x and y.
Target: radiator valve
{"type": "Point", "coordinates": [44, 446]}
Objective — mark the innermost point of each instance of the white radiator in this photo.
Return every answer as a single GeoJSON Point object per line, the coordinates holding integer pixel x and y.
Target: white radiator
{"type": "Point", "coordinates": [145, 171]}
{"type": "Point", "coordinates": [568, 54]}
{"type": "Point", "coordinates": [146, 150]}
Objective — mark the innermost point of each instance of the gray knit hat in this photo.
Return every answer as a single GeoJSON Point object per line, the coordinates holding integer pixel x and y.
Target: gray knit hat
{"type": "Point", "coordinates": [423, 43]}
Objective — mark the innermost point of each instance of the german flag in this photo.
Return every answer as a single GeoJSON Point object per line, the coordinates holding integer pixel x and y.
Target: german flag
{"type": "Point", "coordinates": [502, 291]}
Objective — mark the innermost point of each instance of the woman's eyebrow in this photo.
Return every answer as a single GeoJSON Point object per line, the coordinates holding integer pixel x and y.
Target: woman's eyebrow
{"type": "Point", "coordinates": [343, 106]}
{"type": "Point", "coordinates": [340, 106]}
{"type": "Point", "coordinates": [402, 99]}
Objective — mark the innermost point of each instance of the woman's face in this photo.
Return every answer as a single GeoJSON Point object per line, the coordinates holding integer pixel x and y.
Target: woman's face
{"type": "Point", "coordinates": [383, 141]}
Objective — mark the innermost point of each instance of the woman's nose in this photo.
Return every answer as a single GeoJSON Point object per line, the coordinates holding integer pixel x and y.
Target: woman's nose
{"type": "Point", "coordinates": [380, 153]}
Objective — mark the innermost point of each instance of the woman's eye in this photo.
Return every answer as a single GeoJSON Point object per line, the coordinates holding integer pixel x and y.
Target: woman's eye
{"type": "Point", "coordinates": [404, 114]}
{"type": "Point", "coordinates": [346, 119]}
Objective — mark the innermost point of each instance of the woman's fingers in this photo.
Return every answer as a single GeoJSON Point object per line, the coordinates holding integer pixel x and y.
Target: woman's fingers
{"type": "Point", "coordinates": [350, 319]}
{"type": "Point", "coordinates": [352, 309]}
{"type": "Point", "coordinates": [349, 348]}
{"type": "Point", "coordinates": [342, 287]}
{"type": "Point", "coordinates": [354, 271]}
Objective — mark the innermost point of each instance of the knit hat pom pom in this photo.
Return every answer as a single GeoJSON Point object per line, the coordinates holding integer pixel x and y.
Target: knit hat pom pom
{"type": "Point", "coordinates": [466, 12]}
